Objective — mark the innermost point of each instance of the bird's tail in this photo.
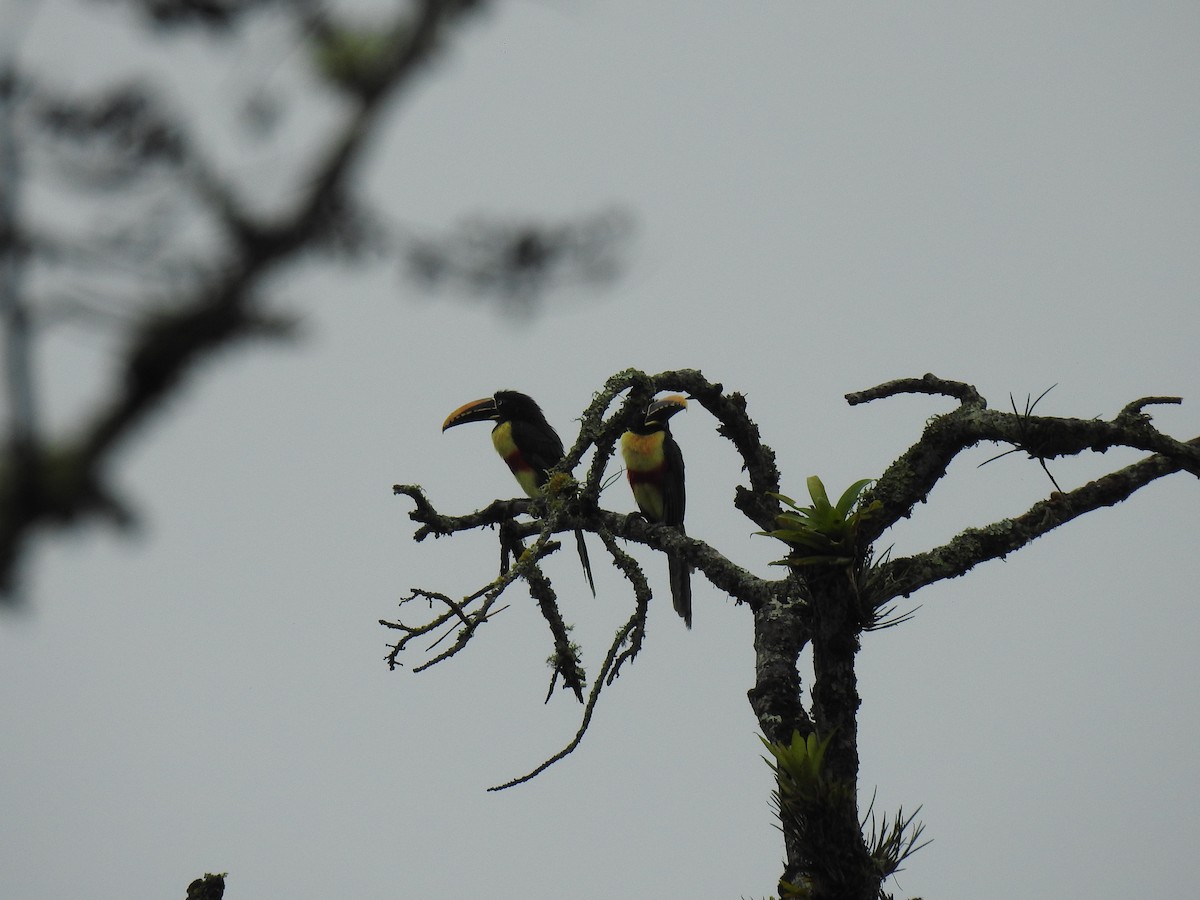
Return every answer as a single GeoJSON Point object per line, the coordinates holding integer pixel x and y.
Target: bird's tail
{"type": "Point", "coordinates": [680, 571]}
{"type": "Point", "coordinates": [583, 558]}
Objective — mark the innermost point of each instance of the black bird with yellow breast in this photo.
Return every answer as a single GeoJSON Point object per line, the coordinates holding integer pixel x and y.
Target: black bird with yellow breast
{"type": "Point", "coordinates": [525, 441]}
{"type": "Point", "coordinates": [654, 466]}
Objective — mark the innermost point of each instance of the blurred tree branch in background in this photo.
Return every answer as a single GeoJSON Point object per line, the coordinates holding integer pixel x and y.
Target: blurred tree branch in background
{"type": "Point", "coordinates": [154, 240]}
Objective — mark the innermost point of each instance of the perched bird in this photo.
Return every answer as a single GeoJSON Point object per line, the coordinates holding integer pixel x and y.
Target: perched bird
{"type": "Point", "coordinates": [525, 441]}
{"type": "Point", "coordinates": [655, 469]}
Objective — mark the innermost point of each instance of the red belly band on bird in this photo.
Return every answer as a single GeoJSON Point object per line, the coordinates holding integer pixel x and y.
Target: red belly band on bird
{"type": "Point", "coordinates": [516, 463]}
{"type": "Point", "coordinates": [645, 476]}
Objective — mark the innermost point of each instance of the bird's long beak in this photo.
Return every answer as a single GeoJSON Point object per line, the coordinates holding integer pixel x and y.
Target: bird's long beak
{"type": "Point", "coordinates": [665, 407]}
{"type": "Point", "coordinates": [476, 411]}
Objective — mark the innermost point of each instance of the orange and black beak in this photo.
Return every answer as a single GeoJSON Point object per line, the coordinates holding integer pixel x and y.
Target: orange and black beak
{"type": "Point", "coordinates": [485, 410]}
{"type": "Point", "coordinates": [659, 411]}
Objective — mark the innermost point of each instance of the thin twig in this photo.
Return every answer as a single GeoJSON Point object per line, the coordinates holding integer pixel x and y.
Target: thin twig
{"type": "Point", "coordinates": [588, 710]}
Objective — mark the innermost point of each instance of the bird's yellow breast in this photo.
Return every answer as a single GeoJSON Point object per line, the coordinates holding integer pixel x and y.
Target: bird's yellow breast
{"type": "Point", "coordinates": [502, 440]}
{"type": "Point", "coordinates": [642, 452]}
{"type": "Point", "coordinates": [644, 461]}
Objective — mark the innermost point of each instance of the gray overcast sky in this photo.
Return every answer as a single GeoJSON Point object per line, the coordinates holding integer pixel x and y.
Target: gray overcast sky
{"type": "Point", "coordinates": [827, 197]}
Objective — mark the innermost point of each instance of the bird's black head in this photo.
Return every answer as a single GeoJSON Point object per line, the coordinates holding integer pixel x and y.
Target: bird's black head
{"type": "Point", "coordinates": [503, 406]}
{"type": "Point", "coordinates": [514, 406]}
{"type": "Point", "coordinates": [658, 412]}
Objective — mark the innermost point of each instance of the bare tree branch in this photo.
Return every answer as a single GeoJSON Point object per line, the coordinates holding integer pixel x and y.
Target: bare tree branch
{"type": "Point", "coordinates": [975, 545]}
{"type": "Point", "coordinates": [928, 384]}
{"type": "Point", "coordinates": [636, 631]}
{"type": "Point", "coordinates": [607, 673]}
{"type": "Point", "coordinates": [910, 479]}
{"type": "Point", "coordinates": [726, 575]}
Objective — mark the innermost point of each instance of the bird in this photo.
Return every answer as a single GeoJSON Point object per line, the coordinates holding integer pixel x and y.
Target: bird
{"type": "Point", "coordinates": [654, 466]}
{"type": "Point", "coordinates": [526, 442]}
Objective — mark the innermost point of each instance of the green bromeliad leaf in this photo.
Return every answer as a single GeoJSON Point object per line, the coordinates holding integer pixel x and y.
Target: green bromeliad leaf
{"type": "Point", "coordinates": [816, 490]}
{"type": "Point", "coordinates": [850, 497]}
{"type": "Point", "coordinates": [798, 764]}
{"type": "Point", "coordinates": [826, 531]}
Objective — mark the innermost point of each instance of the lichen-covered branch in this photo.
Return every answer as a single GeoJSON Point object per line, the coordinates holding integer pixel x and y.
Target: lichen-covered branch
{"type": "Point", "coordinates": [727, 576]}
{"type": "Point", "coordinates": [495, 513]}
{"type": "Point", "coordinates": [731, 578]}
{"type": "Point", "coordinates": [564, 662]}
{"type": "Point", "coordinates": [902, 577]}
{"type": "Point", "coordinates": [910, 479]}
{"type": "Point", "coordinates": [635, 633]}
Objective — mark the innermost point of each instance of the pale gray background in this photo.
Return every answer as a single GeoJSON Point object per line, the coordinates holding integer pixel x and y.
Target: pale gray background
{"type": "Point", "coordinates": [828, 196]}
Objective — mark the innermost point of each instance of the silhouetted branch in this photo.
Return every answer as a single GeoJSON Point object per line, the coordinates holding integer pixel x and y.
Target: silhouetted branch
{"type": "Point", "coordinates": [565, 662]}
{"type": "Point", "coordinates": [903, 576]}
{"type": "Point", "coordinates": [434, 523]}
{"type": "Point", "coordinates": [605, 677]}
{"type": "Point", "coordinates": [732, 579]}
{"type": "Point", "coordinates": [526, 567]}
{"type": "Point", "coordinates": [726, 575]}
{"type": "Point", "coordinates": [928, 384]}
{"type": "Point", "coordinates": [910, 479]}
{"type": "Point", "coordinates": [635, 631]}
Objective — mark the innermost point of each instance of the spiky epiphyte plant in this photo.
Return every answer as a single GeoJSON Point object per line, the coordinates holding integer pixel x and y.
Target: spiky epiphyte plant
{"type": "Point", "coordinates": [824, 533]}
